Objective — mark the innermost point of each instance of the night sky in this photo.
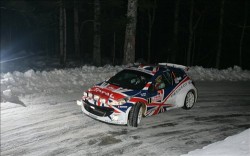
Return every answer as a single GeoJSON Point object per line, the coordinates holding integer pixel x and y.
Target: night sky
{"type": "Point", "coordinates": [32, 26]}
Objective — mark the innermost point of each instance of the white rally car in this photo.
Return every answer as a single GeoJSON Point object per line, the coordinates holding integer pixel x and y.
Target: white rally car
{"type": "Point", "coordinates": [139, 91]}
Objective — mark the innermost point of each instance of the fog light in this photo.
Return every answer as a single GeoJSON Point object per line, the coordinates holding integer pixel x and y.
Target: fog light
{"type": "Point", "coordinates": [96, 97]}
{"type": "Point", "coordinates": [90, 95]}
{"type": "Point", "coordinates": [85, 94]}
{"type": "Point", "coordinates": [102, 100]}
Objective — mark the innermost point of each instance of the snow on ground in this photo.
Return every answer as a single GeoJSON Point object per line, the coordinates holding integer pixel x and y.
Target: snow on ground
{"type": "Point", "coordinates": [39, 115]}
{"type": "Point", "coordinates": [236, 145]}
{"type": "Point", "coordinates": [52, 124]}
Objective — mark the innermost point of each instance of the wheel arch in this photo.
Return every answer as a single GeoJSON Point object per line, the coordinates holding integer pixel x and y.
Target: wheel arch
{"type": "Point", "coordinates": [195, 93]}
{"type": "Point", "coordinates": [184, 94]}
{"type": "Point", "coordinates": [195, 96]}
{"type": "Point", "coordinates": [144, 108]}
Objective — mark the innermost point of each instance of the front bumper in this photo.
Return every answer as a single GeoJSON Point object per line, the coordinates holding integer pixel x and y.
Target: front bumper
{"type": "Point", "coordinates": [104, 114]}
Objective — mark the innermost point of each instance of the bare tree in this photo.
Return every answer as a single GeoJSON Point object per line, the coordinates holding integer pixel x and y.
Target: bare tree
{"type": "Point", "coordinates": [62, 33]}
{"type": "Point", "coordinates": [192, 28]}
{"type": "Point", "coordinates": [61, 30]}
{"type": "Point", "coordinates": [114, 48]}
{"type": "Point", "coordinates": [243, 32]}
{"type": "Point", "coordinates": [129, 45]}
{"type": "Point", "coordinates": [97, 35]}
{"type": "Point", "coordinates": [176, 31]}
{"type": "Point", "coordinates": [149, 7]}
{"type": "Point", "coordinates": [76, 28]}
{"type": "Point", "coordinates": [151, 19]}
{"type": "Point", "coordinates": [218, 56]}
{"type": "Point", "coordinates": [65, 36]}
{"type": "Point", "coordinates": [191, 32]}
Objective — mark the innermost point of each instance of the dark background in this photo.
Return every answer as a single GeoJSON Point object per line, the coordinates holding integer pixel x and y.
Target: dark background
{"type": "Point", "coordinates": [31, 27]}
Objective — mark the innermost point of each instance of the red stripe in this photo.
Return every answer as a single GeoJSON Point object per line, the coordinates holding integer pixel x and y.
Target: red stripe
{"type": "Point", "coordinates": [183, 81]}
{"type": "Point", "coordinates": [98, 102]}
{"type": "Point", "coordinates": [159, 106]}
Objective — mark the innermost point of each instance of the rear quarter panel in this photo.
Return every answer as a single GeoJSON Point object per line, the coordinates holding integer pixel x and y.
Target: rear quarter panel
{"type": "Point", "coordinates": [183, 90]}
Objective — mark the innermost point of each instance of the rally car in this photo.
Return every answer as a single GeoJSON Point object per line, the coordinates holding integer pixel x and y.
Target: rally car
{"type": "Point", "coordinates": [139, 91]}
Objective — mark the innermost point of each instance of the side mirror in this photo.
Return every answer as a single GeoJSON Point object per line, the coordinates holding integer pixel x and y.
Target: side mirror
{"type": "Point", "coordinates": [177, 79]}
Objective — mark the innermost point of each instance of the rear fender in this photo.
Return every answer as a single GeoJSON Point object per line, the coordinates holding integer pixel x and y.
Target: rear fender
{"type": "Point", "coordinates": [180, 98]}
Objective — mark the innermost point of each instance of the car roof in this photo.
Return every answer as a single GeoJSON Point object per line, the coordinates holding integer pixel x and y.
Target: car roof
{"type": "Point", "coordinates": [161, 67]}
{"type": "Point", "coordinates": [150, 69]}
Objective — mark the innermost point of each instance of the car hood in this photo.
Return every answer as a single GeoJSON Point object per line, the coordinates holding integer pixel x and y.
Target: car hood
{"type": "Point", "coordinates": [110, 91]}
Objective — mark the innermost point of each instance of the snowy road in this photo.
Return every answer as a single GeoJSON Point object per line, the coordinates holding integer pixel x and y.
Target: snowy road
{"type": "Point", "coordinates": [54, 125]}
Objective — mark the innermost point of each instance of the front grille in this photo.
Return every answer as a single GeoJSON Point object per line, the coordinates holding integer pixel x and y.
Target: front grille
{"type": "Point", "coordinates": [99, 111]}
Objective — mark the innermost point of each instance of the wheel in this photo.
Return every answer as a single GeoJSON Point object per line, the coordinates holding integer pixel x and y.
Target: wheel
{"type": "Point", "coordinates": [135, 115]}
{"type": "Point", "coordinates": [189, 100]}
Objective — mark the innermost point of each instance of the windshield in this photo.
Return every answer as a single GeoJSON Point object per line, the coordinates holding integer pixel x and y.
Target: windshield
{"type": "Point", "coordinates": [130, 79]}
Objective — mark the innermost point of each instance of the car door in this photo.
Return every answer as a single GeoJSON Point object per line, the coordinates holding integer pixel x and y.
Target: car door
{"type": "Point", "coordinates": [160, 87]}
{"type": "Point", "coordinates": [158, 92]}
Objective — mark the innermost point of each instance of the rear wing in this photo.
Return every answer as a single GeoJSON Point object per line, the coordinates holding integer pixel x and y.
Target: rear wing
{"type": "Point", "coordinates": [185, 68]}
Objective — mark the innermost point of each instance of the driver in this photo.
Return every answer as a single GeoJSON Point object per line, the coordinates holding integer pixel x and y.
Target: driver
{"type": "Point", "coordinates": [159, 84]}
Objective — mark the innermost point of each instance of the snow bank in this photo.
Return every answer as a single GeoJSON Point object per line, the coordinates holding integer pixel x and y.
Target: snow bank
{"type": "Point", "coordinates": [17, 84]}
{"type": "Point", "coordinates": [57, 81]}
{"type": "Point", "coordinates": [237, 145]}
{"type": "Point", "coordinates": [198, 73]}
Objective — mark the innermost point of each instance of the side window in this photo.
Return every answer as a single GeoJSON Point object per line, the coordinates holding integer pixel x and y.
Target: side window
{"type": "Point", "coordinates": [160, 82]}
{"type": "Point", "coordinates": [168, 79]}
{"type": "Point", "coordinates": [177, 75]}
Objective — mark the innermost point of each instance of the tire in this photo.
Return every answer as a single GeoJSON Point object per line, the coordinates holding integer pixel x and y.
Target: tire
{"type": "Point", "coordinates": [135, 115]}
{"type": "Point", "coordinates": [189, 100]}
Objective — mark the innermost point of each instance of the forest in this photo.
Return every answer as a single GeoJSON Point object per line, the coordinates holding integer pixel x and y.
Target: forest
{"type": "Point", "coordinates": [212, 34]}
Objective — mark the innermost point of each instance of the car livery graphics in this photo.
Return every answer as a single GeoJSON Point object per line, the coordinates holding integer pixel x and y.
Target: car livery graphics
{"type": "Point", "coordinates": [133, 93]}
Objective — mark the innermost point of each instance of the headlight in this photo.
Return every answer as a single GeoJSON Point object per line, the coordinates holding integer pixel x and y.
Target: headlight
{"type": "Point", "coordinates": [120, 101]}
{"type": "Point", "coordinates": [102, 100]}
{"type": "Point", "coordinates": [96, 97]}
{"type": "Point", "coordinates": [85, 94]}
{"type": "Point", "coordinates": [90, 95]}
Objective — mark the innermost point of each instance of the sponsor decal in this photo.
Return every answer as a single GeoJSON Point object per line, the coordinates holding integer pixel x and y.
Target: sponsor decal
{"type": "Point", "coordinates": [179, 89]}
{"type": "Point", "coordinates": [122, 106]}
{"type": "Point", "coordinates": [143, 94]}
{"type": "Point", "coordinates": [157, 98]}
{"type": "Point", "coordinates": [112, 87]}
{"type": "Point", "coordinates": [98, 90]}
